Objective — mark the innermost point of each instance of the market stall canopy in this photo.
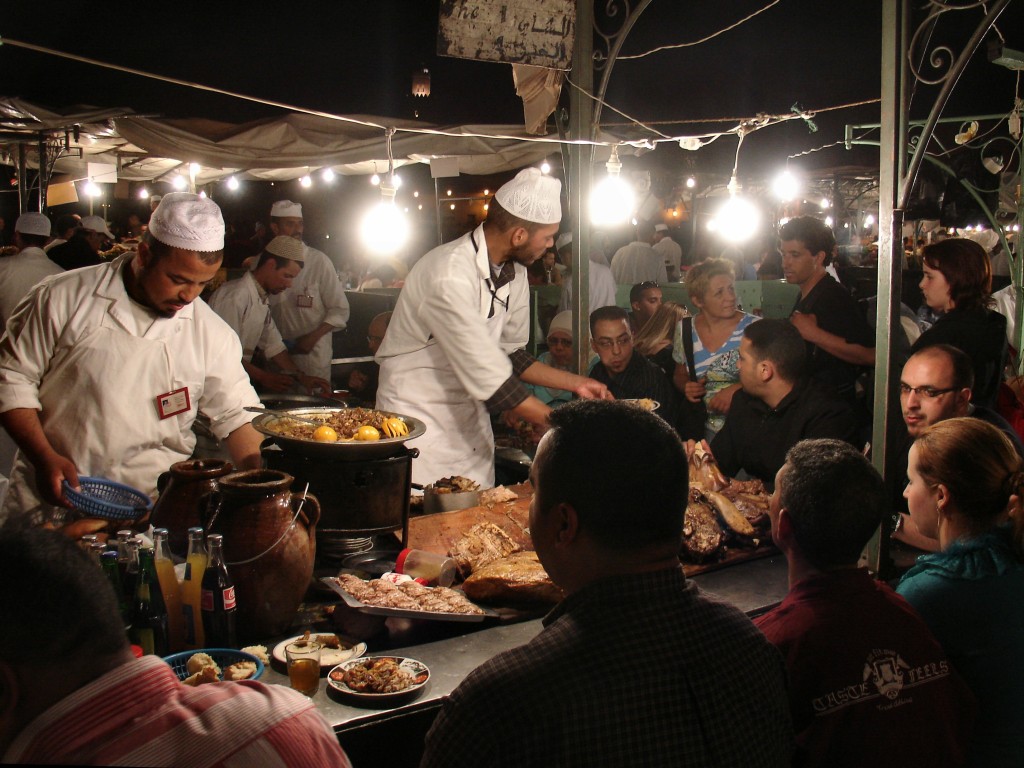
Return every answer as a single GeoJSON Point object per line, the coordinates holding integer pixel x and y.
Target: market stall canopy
{"type": "Point", "coordinates": [288, 147]}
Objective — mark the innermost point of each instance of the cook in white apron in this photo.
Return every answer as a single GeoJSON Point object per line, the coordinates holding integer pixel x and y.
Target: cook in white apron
{"type": "Point", "coordinates": [133, 444]}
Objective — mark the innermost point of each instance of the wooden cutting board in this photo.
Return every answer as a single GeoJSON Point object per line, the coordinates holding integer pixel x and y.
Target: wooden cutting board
{"type": "Point", "coordinates": [437, 532]}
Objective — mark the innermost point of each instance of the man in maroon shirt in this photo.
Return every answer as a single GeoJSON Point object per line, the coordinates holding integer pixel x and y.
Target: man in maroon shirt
{"type": "Point", "coordinates": [868, 683]}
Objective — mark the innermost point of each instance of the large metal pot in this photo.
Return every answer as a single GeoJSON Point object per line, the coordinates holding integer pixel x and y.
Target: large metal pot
{"type": "Point", "coordinates": [349, 450]}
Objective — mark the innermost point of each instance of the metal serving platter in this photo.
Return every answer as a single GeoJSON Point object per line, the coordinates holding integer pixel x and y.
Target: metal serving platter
{"type": "Point", "coordinates": [352, 450]}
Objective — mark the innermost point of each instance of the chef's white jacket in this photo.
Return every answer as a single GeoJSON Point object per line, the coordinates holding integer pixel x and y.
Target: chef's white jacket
{"type": "Point", "coordinates": [316, 296]}
{"type": "Point", "coordinates": [240, 305]}
{"type": "Point", "coordinates": [636, 263]}
{"type": "Point", "coordinates": [670, 252]}
{"type": "Point", "coordinates": [602, 288]}
{"type": "Point", "coordinates": [74, 351]}
{"type": "Point", "coordinates": [18, 275]}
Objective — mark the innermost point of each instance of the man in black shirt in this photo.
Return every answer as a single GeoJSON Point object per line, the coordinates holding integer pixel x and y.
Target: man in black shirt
{"type": "Point", "coordinates": [627, 374]}
{"type": "Point", "coordinates": [777, 407]}
{"type": "Point", "coordinates": [838, 336]}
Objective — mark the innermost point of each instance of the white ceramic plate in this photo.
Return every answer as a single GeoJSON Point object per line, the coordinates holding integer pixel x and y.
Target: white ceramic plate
{"type": "Point", "coordinates": [642, 403]}
{"type": "Point", "coordinates": [329, 657]}
{"type": "Point", "coordinates": [417, 669]}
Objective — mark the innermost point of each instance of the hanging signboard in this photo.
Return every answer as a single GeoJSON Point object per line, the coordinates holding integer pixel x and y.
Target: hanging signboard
{"type": "Point", "coordinates": [535, 32]}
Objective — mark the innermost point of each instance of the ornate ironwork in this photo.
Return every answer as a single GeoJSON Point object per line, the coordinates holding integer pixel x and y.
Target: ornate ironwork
{"type": "Point", "coordinates": [611, 31]}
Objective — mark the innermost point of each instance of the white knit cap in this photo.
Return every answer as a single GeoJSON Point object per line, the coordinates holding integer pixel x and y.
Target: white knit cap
{"type": "Point", "coordinates": [287, 248]}
{"type": "Point", "coordinates": [286, 209]}
{"type": "Point", "coordinates": [562, 322]}
{"type": "Point", "coordinates": [187, 221]}
{"type": "Point", "coordinates": [33, 224]}
{"type": "Point", "coordinates": [532, 196]}
{"type": "Point", "coordinates": [563, 240]}
{"type": "Point", "coordinates": [96, 224]}
{"type": "Point", "coordinates": [661, 228]}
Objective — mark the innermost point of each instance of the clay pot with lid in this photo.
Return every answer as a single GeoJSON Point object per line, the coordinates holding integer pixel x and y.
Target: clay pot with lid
{"type": "Point", "coordinates": [182, 489]}
{"type": "Point", "coordinates": [269, 546]}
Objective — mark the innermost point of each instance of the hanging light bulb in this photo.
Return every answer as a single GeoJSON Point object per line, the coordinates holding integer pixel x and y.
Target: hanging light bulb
{"type": "Point", "coordinates": [691, 182]}
{"type": "Point", "coordinates": [545, 167]}
{"type": "Point", "coordinates": [306, 182]}
{"type": "Point", "coordinates": [785, 186]}
{"type": "Point", "coordinates": [869, 220]}
{"type": "Point", "coordinates": [178, 182]}
{"type": "Point", "coordinates": [829, 221]}
{"type": "Point", "coordinates": [738, 218]}
{"type": "Point", "coordinates": [92, 189]}
{"type": "Point", "coordinates": [397, 180]}
{"type": "Point", "coordinates": [232, 183]}
{"type": "Point", "coordinates": [826, 203]}
{"type": "Point", "coordinates": [143, 194]}
{"type": "Point", "coordinates": [327, 175]}
{"type": "Point", "coordinates": [384, 228]}
{"type": "Point", "coordinates": [375, 180]}
{"type": "Point", "coordinates": [612, 200]}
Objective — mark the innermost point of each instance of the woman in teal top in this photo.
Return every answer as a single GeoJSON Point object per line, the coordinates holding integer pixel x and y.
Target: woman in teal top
{"type": "Point", "coordinates": [560, 356]}
{"type": "Point", "coordinates": [965, 488]}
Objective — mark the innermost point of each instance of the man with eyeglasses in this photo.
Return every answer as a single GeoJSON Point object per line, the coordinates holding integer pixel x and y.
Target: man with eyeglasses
{"type": "Point", "coordinates": [935, 385]}
{"type": "Point", "coordinates": [455, 349]}
{"type": "Point", "coordinates": [628, 375]}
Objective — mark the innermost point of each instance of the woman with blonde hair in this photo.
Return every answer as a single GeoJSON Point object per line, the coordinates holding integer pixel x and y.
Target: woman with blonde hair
{"type": "Point", "coordinates": [656, 339]}
{"type": "Point", "coordinates": [717, 332]}
{"type": "Point", "coordinates": [966, 485]}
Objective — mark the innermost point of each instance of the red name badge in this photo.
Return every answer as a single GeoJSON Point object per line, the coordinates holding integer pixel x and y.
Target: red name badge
{"type": "Point", "coordinates": [172, 403]}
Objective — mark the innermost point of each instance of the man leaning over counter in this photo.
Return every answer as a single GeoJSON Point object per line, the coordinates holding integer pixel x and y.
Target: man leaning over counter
{"type": "Point", "coordinates": [454, 350]}
{"type": "Point", "coordinates": [103, 369]}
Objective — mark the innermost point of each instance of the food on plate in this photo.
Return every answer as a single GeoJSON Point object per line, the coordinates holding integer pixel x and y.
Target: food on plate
{"type": "Point", "coordinates": [241, 670]}
{"type": "Point", "coordinates": [480, 545]}
{"type": "Point", "coordinates": [367, 432]}
{"type": "Point", "coordinates": [453, 484]}
{"type": "Point", "coordinates": [392, 427]}
{"type": "Point", "coordinates": [207, 674]}
{"type": "Point", "coordinates": [329, 641]}
{"type": "Point", "coordinates": [259, 651]}
{"type": "Point", "coordinates": [346, 422]}
{"type": "Point", "coordinates": [497, 495]}
{"type": "Point", "coordinates": [702, 535]}
{"type": "Point", "coordinates": [378, 675]}
{"type": "Point", "coordinates": [729, 514]}
{"type": "Point", "coordinates": [325, 434]}
{"type": "Point", "coordinates": [199, 661]}
{"type": "Point", "coordinates": [704, 470]}
{"type": "Point", "coordinates": [644, 403]}
{"type": "Point", "coordinates": [409, 596]}
{"type": "Point", "coordinates": [518, 578]}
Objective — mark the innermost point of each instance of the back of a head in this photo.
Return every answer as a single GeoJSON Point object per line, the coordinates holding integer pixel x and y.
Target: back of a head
{"type": "Point", "coordinates": [966, 267]}
{"type": "Point", "coordinates": [607, 313]}
{"type": "Point", "coordinates": [645, 231]}
{"type": "Point", "coordinates": [778, 341]}
{"type": "Point", "coordinates": [64, 224]}
{"type": "Point", "coordinates": [661, 327]}
{"type": "Point", "coordinates": [58, 607]}
{"type": "Point", "coordinates": [835, 499]}
{"type": "Point", "coordinates": [815, 234]}
{"type": "Point", "coordinates": [957, 361]}
{"type": "Point", "coordinates": [623, 469]}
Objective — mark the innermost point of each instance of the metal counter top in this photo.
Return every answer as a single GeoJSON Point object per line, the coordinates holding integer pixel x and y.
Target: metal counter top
{"type": "Point", "coordinates": [753, 587]}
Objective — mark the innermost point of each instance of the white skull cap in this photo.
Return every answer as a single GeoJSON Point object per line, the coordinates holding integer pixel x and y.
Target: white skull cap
{"type": "Point", "coordinates": [532, 196]}
{"type": "Point", "coordinates": [187, 221]}
{"type": "Point", "coordinates": [287, 248]}
{"type": "Point", "coordinates": [561, 322]}
{"type": "Point", "coordinates": [97, 224]}
{"type": "Point", "coordinates": [661, 228]}
{"type": "Point", "coordinates": [286, 209]}
{"type": "Point", "coordinates": [33, 224]}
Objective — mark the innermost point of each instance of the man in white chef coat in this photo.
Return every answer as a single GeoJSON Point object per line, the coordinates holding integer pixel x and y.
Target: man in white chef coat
{"type": "Point", "coordinates": [638, 262]}
{"type": "Point", "coordinates": [454, 350]}
{"type": "Point", "coordinates": [669, 251]}
{"type": "Point", "coordinates": [103, 369]}
{"type": "Point", "coordinates": [20, 272]}
{"type": "Point", "coordinates": [244, 304]}
{"type": "Point", "coordinates": [314, 306]}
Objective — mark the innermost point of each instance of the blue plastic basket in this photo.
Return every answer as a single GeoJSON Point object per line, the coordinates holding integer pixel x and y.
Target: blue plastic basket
{"type": "Point", "coordinates": [107, 499]}
{"type": "Point", "coordinates": [224, 657]}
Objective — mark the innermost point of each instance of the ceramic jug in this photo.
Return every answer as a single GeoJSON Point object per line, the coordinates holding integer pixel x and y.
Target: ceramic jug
{"type": "Point", "coordinates": [269, 546]}
{"type": "Point", "coordinates": [182, 488]}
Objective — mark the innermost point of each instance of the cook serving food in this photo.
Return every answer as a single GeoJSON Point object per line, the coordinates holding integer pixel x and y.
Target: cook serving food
{"type": "Point", "coordinates": [455, 346]}
{"type": "Point", "coordinates": [103, 369]}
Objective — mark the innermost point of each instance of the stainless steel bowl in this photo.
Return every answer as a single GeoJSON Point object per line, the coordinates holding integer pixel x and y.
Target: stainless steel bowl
{"type": "Point", "coordinates": [349, 450]}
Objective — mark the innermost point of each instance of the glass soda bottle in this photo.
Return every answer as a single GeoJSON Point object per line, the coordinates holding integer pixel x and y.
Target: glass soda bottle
{"type": "Point", "coordinates": [130, 577]}
{"type": "Point", "coordinates": [169, 589]}
{"type": "Point", "coordinates": [218, 594]}
{"type": "Point", "coordinates": [108, 561]}
{"type": "Point", "coordinates": [150, 628]}
{"type": "Point", "coordinates": [96, 550]}
{"type": "Point", "coordinates": [191, 590]}
{"type": "Point", "coordinates": [123, 537]}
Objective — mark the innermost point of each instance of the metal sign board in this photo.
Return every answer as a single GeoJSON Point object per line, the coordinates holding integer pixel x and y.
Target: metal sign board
{"type": "Point", "coordinates": [535, 32]}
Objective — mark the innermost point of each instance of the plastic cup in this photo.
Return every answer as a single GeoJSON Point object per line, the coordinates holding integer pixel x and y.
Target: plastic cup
{"type": "Point", "coordinates": [303, 667]}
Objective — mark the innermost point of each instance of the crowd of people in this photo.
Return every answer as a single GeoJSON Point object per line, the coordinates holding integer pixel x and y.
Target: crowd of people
{"type": "Point", "coordinates": [930, 669]}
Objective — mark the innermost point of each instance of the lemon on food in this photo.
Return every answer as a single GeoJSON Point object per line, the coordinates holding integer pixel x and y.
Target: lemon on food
{"type": "Point", "coordinates": [325, 434]}
{"type": "Point", "coordinates": [367, 432]}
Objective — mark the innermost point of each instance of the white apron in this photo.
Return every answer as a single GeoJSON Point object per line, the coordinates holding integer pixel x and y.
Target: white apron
{"type": "Point", "coordinates": [458, 440]}
{"type": "Point", "coordinates": [99, 410]}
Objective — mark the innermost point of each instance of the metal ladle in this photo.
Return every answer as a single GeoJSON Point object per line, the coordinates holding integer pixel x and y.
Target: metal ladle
{"type": "Point", "coordinates": [284, 415]}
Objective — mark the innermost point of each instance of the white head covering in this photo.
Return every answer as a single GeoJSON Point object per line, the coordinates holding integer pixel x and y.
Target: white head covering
{"type": "Point", "coordinates": [532, 196]}
{"type": "Point", "coordinates": [286, 209]}
{"type": "Point", "coordinates": [562, 322]}
{"type": "Point", "coordinates": [33, 224]}
{"type": "Point", "coordinates": [96, 224]}
{"type": "Point", "coordinates": [661, 228]}
{"type": "Point", "coordinates": [563, 240]}
{"type": "Point", "coordinates": [287, 248]}
{"type": "Point", "coordinates": [187, 221]}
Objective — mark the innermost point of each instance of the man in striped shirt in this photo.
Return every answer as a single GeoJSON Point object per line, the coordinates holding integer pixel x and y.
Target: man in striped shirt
{"type": "Point", "coordinates": [71, 693]}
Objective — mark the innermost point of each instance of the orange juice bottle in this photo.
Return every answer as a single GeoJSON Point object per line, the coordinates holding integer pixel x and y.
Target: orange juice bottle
{"type": "Point", "coordinates": [169, 589]}
{"type": "Point", "coordinates": [191, 590]}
